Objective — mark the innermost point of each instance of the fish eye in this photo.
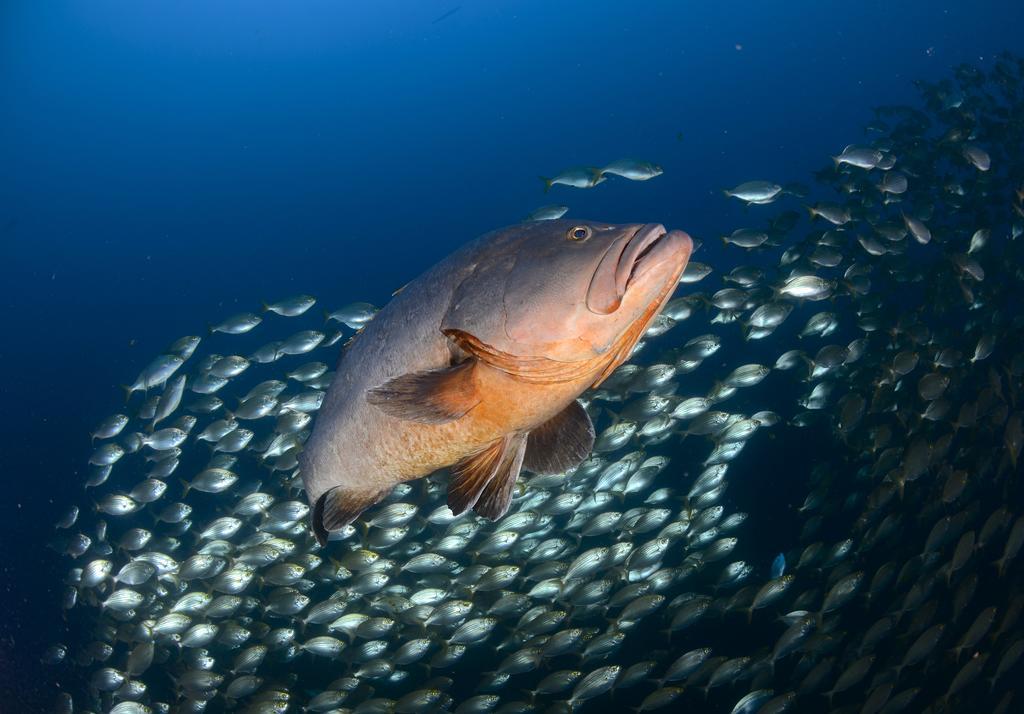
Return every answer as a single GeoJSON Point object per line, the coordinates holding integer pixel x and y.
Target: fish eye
{"type": "Point", "coordinates": [579, 233]}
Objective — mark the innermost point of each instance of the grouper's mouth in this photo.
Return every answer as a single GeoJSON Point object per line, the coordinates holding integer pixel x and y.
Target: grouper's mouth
{"type": "Point", "coordinates": [627, 261]}
{"type": "Point", "coordinates": [640, 245]}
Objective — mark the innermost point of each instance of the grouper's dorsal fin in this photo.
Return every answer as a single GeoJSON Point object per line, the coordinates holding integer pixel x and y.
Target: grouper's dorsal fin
{"type": "Point", "coordinates": [560, 443]}
{"type": "Point", "coordinates": [486, 479]}
{"type": "Point", "coordinates": [434, 396]}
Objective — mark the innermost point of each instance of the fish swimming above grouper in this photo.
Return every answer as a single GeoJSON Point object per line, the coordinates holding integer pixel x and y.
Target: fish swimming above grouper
{"type": "Point", "coordinates": [477, 365]}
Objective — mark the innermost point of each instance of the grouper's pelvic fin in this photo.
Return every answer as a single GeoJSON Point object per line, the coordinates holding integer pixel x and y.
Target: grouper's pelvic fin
{"type": "Point", "coordinates": [487, 479]}
{"type": "Point", "coordinates": [560, 443]}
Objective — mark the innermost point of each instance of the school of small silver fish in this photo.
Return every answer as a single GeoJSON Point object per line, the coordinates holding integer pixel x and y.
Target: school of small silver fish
{"type": "Point", "coordinates": [891, 324]}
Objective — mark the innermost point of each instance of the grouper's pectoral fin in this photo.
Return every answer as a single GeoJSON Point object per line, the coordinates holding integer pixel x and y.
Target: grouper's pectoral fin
{"type": "Point", "coordinates": [337, 508]}
{"type": "Point", "coordinates": [486, 480]}
{"type": "Point", "coordinates": [560, 443]}
{"type": "Point", "coordinates": [432, 397]}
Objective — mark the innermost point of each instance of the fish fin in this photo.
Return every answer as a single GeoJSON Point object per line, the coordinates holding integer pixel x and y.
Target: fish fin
{"type": "Point", "coordinates": [496, 497]}
{"type": "Point", "coordinates": [471, 475]}
{"type": "Point", "coordinates": [547, 183]}
{"type": "Point", "coordinates": [615, 419]}
{"type": "Point", "coordinates": [337, 508]}
{"type": "Point", "coordinates": [560, 443]}
{"type": "Point", "coordinates": [432, 397]}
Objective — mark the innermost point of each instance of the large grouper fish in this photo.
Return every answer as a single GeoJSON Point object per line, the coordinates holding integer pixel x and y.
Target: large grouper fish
{"type": "Point", "coordinates": [477, 365]}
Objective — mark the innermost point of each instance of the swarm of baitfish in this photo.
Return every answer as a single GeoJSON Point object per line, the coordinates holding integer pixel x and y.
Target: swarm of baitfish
{"type": "Point", "coordinates": [879, 347]}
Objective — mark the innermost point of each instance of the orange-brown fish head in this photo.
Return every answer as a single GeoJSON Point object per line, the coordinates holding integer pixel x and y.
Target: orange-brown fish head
{"type": "Point", "coordinates": [567, 291]}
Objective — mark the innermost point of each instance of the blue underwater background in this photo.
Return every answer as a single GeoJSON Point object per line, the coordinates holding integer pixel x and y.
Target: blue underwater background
{"type": "Point", "coordinates": [167, 164]}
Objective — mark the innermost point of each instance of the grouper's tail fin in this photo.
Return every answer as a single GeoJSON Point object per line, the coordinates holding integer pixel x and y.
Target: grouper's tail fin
{"type": "Point", "coordinates": [336, 508]}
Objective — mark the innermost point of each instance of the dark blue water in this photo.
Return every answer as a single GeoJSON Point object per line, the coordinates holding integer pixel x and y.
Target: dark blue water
{"type": "Point", "coordinates": [165, 166]}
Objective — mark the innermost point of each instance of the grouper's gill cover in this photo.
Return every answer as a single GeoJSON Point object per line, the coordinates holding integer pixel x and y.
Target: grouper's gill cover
{"type": "Point", "coordinates": [531, 297]}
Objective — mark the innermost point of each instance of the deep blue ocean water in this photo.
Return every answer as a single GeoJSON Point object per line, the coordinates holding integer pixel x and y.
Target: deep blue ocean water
{"type": "Point", "coordinates": [168, 164]}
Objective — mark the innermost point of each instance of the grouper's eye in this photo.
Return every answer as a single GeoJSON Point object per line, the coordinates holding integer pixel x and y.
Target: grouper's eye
{"type": "Point", "coordinates": [579, 233]}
